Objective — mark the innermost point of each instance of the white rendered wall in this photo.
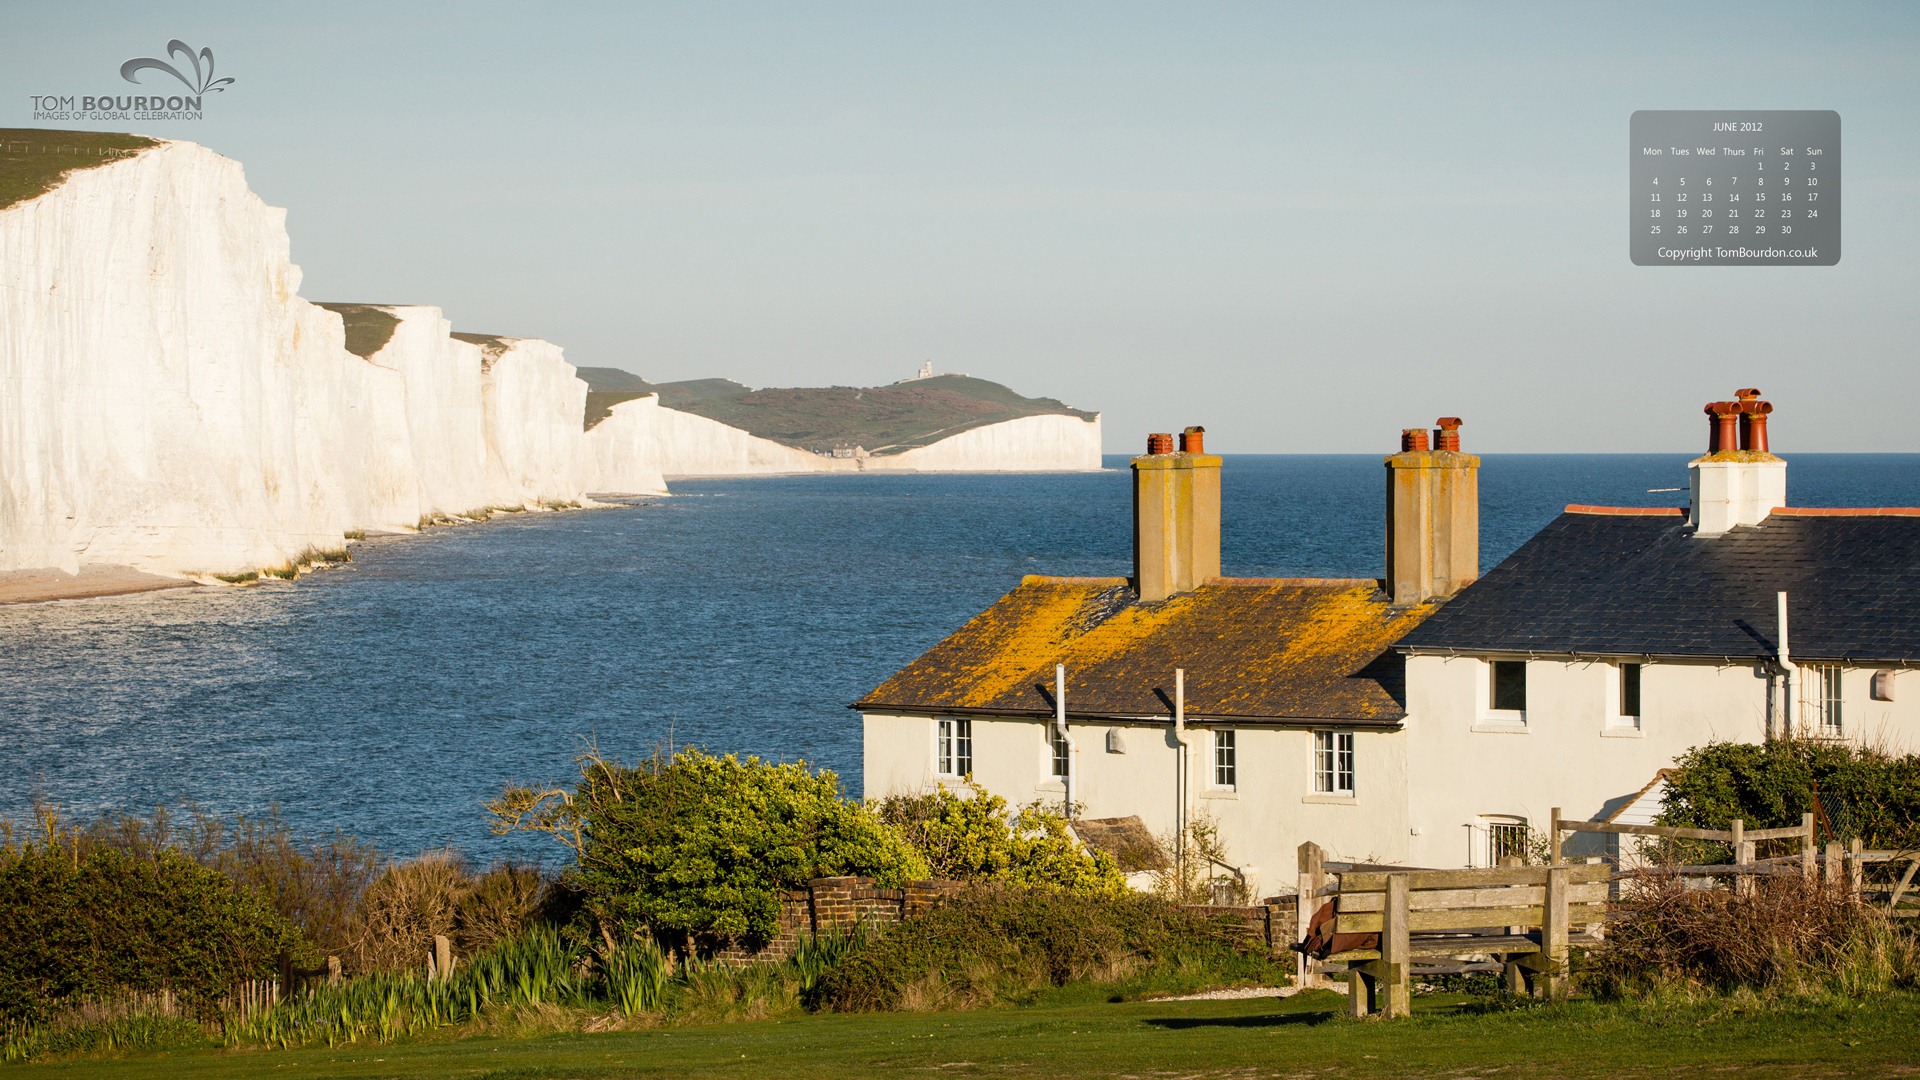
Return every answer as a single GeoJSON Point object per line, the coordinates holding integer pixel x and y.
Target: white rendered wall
{"type": "Point", "coordinates": [1572, 751]}
{"type": "Point", "coordinates": [1263, 820]}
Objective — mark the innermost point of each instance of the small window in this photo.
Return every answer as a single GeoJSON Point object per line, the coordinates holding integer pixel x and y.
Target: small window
{"type": "Point", "coordinates": [1506, 838]}
{"type": "Point", "coordinates": [1630, 690]}
{"type": "Point", "coordinates": [1333, 762]}
{"type": "Point", "coordinates": [956, 747]}
{"type": "Point", "coordinates": [1820, 698]}
{"type": "Point", "coordinates": [1509, 685]}
{"type": "Point", "coordinates": [1062, 758]}
{"type": "Point", "coordinates": [1225, 768]}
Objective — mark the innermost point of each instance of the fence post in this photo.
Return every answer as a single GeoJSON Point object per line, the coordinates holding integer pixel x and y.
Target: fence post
{"type": "Point", "coordinates": [1856, 869]}
{"type": "Point", "coordinates": [1553, 837]}
{"type": "Point", "coordinates": [1833, 864]}
{"type": "Point", "coordinates": [1806, 846]}
{"type": "Point", "coordinates": [333, 971]}
{"type": "Point", "coordinates": [1742, 856]}
{"type": "Point", "coordinates": [1396, 948]}
{"type": "Point", "coordinates": [1313, 877]}
{"type": "Point", "coordinates": [1555, 934]}
{"type": "Point", "coordinates": [442, 957]}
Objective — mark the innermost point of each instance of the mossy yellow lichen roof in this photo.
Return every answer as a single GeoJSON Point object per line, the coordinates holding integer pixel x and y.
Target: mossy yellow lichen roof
{"type": "Point", "coordinates": [1259, 649]}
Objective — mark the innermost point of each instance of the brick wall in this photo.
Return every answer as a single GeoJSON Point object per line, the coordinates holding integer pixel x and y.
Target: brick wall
{"type": "Point", "coordinates": [1271, 923]}
{"type": "Point", "coordinates": [838, 904]}
{"type": "Point", "coordinates": [841, 903]}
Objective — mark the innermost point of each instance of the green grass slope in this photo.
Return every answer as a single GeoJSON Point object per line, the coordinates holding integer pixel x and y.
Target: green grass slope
{"type": "Point", "coordinates": [34, 160]}
{"type": "Point", "coordinates": [1304, 1037]}
{"type": "Point", "coordinates": [884, 419]}
{"type": "Point", "coordinates": [369, 327]}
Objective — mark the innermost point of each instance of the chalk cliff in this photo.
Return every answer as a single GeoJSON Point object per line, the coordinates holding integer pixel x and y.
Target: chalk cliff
{"type": "Point", "coordinates": [168, 402]}
{"type": "Point", "coordinates": [642, 439]}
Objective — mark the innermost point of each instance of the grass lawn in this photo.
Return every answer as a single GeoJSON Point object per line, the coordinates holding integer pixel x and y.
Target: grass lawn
{"type": "Point", "coordinates": [1305, 1036]}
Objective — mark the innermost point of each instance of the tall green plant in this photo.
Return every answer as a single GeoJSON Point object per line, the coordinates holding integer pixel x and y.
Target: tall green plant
{"type": "Point", "coordinates": [1871, 793]}
{"type": "Point", "coordinates": [977, 837]}
{"type": "Point", "coordinates": [696, 846]}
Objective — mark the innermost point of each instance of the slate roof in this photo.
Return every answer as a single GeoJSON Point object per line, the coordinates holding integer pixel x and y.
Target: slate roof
{"type": "Point", "coordinates": [1127, 839]}
{"type": "Point", "coordinates": [1602, 582]}
{"type": "Point", "coordinates": [1271, 650]}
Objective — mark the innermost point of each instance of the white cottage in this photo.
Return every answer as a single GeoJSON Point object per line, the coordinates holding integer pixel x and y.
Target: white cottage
{"type": "Point", "coordinates": [1423, 718]}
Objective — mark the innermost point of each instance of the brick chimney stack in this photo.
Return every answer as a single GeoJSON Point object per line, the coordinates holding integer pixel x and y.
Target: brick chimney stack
{"type": "Point", "coordinates": [1737, 481]}
{"type": "Point", "coordinates": [1176, 516]}
{"type": "Point", "coordinates": [1433, 515]}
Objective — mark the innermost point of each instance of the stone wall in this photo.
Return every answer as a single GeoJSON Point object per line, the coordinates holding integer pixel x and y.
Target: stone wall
{"type": "Point", "coordinates": [834, 904]}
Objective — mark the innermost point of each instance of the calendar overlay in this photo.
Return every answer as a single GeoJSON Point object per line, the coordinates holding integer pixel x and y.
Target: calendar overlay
{"type": "Point", "coordinates": [1735, 188]}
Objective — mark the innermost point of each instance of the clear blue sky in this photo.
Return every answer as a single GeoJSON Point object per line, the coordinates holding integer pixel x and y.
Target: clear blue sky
{"type": "Point", "coordinates": [1305, 226]}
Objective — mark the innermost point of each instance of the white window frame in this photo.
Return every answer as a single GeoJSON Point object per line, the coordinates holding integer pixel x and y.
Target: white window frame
{"type": "Point", "coordinates": [1511, 716]}
{"type": "Point", "coordinates": [1333, 763]}
{"type": "Point", "coordinates": [1506, 835]}
{"type": "Point", "coordinates": [953, 746]}
{"type": "Point", "coordinates": [1226, 760]}
{"type": "Point", "coordinates": [1822, 700]}
{"type": "Point", "coordinates": [1059, 755]}
{"type": "Point", "coordinates": [1619, 720]}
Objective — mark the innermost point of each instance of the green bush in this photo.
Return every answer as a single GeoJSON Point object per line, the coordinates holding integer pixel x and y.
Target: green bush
{"type": "Point", "coordinates": [701, 847]}
{"type": "Point", "coordinates": [1875, 795]}
{"type": "Point", "coordinates": [109, 922]}
{"type": "Point", "coordinates": [977, 839]}
{"type": "Point", "coordinates": [989, 944]}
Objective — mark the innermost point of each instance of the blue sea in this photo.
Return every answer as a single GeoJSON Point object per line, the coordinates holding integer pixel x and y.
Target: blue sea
{"type": "Point", "coordinates": [388, 698]}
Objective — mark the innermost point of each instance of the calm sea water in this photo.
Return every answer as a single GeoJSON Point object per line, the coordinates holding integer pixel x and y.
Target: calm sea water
{"type": "Point", "coordinates": [388, 698]}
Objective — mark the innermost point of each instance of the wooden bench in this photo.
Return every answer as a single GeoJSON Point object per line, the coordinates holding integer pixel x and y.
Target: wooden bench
{"type": "Point", "coordinates": [1527, 917]}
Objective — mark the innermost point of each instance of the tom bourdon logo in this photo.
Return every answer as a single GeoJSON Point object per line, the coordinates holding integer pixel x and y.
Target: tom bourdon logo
{"type": "Point", "coordinates": [195, 71]}
{"type": "Point", "coordinates": [202, 82]}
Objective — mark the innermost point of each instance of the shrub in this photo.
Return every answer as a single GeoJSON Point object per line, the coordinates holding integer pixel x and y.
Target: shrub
{"type": "Point", "coordinates": [1871, 794]}
{"type": "Point", "coordinates": [109, 922]}
{"type": "Point", "coordinates": [316, 886]}
{"type": "Point", "coordinates": [406, 906]}
{"type": "Point", "coordinates": [502, 903]}
{"type": "Point", "coordinates": [695, 846]}
{"type": "Point", "coordinates": [976, 839]}
{"type": "Point", "coordinates": [988, 944]}
{"type": "Point", "coordinates": [1789, 933]}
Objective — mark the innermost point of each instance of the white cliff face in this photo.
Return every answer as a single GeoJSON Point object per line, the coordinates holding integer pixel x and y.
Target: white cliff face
{"type": "Point", "coordinates": [621, 459]}
{"type": "Point", "coordinates": [673, 443]}
{"type": "Point", "coordinates": [168, 402]}
{"type": "Point", "coordinates": [643, 440]}
{"type": "Point", "coordinates": [1052, 443]}
{"type": "Point", "coordinates": [531, 404]}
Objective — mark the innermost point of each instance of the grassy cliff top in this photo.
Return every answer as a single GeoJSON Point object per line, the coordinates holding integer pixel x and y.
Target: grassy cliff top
{"type": "Point", "coordinates": [369, 326]}
{"type": "Point", "coordinates": [33, 160]}
{"type": "Point", "coordinates": [883, 419]}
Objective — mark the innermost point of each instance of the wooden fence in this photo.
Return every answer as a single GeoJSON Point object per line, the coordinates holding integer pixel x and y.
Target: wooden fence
{"type": "Point", "coordinates": [1428, 914]}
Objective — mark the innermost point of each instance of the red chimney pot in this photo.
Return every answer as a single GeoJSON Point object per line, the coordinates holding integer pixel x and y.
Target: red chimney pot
{"type": "Point", "coordinates": [1448, 437]}
{"type": "Point", "coordinates": [1413, 438]}
{"type": "Point", "coordinates": [1193, 440]}
{"type": "Point", "coordinates": [1721, 430]}
{"type": "Point", "coordinates": [1160, 442]}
